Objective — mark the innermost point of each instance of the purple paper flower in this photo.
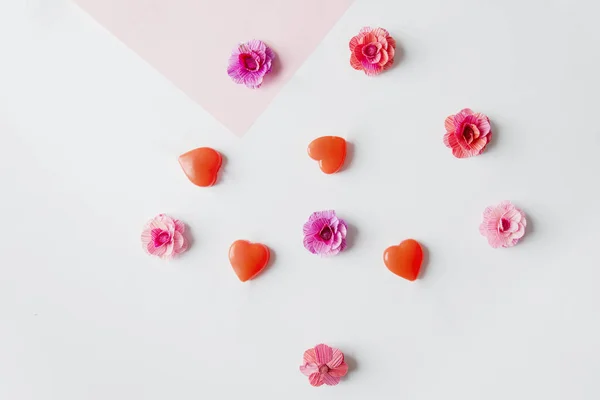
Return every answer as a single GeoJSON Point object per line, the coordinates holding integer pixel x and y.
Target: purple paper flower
{"type": "Point", "coordinates": [325, 234]}
{"type": "Point", "coordinates": [250, 62]}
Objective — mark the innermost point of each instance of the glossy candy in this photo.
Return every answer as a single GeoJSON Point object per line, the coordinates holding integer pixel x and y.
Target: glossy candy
{"type": "Point", "coordinates": [248, 259]}
{"type": "Point", "coordinates": [201, 165]}
{"type": "Point", "coordinates": [330, 151]}
{"type": "Point", "coordinates": [404, 259]}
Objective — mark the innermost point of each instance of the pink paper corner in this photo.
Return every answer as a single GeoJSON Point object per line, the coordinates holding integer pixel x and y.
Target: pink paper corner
{"type": "Point", "coordinates": [189, 42]}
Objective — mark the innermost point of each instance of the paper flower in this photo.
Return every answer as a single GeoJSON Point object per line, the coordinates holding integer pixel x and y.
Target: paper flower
{"type": "Point", "coordinates": [250, 62]}
{"type": "Point", "coordinates": [325, 234]}
{"type": "Point", "coordinates": [503, 225]}
{"type": "Point", "coordinates": [467, 133]}
{"type": "Point", "coordinates": [372, 51]}
{"type": "Point", "coordinates": [324, 365]}
{"type": "Point", "coordinates": [163, 237]}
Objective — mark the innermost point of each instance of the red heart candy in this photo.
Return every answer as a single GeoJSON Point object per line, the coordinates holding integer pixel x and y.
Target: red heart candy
{"type": "Point", "coordinates": [201, 165]}
{"type": "Point", "coordinates": [248, 259]}
{"type": "Point", "coordinates": [405, 259]}
{"type": "Point", "coordinates": [330, 151]}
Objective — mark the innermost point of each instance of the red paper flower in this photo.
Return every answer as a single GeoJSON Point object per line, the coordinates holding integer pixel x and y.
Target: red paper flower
{"type": "Point", "coordinates": [324, 365]}
{"type": "Point", "coordinates": [372, 51]}
{"type": "Point", "coordinates": [467, 133]}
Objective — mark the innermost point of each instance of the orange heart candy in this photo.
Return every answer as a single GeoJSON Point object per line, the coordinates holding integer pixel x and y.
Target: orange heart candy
{"type": "Point", "coordinates": [248, 259]}
{"type": "Point", "coordinates": [405, 259]}
{"type": "Point", "coordinates": [330, 151]}
{"type": "Point", "coordinates": [201, 165]}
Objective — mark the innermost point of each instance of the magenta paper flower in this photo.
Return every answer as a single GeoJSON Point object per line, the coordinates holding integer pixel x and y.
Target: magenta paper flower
{"type": "Point", "coordinates": [467, 133]}
{"type": "Point", "coordinates": [503, 225]}
{"type": "Point", "coordinates": [324, 365]}
{"type": "Point", "coordinates": [163, 237]}
{"type": "Point", "coordinates": [250, 62]}
{"type": "Point", "coordinates": [325, 234]}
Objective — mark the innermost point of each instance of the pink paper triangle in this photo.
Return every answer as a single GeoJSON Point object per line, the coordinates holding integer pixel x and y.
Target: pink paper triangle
{"type": "Point", "coordinates": [189, 42]}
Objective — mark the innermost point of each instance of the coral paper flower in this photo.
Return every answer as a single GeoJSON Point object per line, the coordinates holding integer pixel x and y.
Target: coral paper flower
{"type": "Point", "coordinates": [325, 234]}
{"type": "Point", "coordinates": [372, 50]}
{"type": "Point", "coordinates": [467, 133]}
{"type": "Point", "coordinates": [324, 365]}
{"type": "Point", "coordinates": [503, 225]}
{"type": "Point", "coordinates": [163, 237]}
{"type": "Point", "coordinates": [250, 62]}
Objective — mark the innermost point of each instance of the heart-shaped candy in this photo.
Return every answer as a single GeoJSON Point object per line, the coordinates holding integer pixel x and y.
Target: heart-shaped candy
{"type": "Point", "coordinates": [329, 151]}
{"type": "Point", "coordinates": [248, 259]}
{"type": "Point", "coordinates": [201, 165]}
{"type": "Point", "coordinates": [405, 259]}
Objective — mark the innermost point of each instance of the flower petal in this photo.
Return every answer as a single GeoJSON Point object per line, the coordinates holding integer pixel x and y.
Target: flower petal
{"type": "Point", "coordinates": [330, 380]}
{"type": "Point", "coordinates": [449, 124]}
{"type": "Point", "coordinates": [179, 226]}
{"type": "Point", "coordinates": [316, 379]}
{"type": "Point", "coordinates": [380, 32]}
{"type": "Point", "coordinates": [324, 353]}
{"type": "Point", "coordinates": [337, 359]}
{"type": "Point", "coordinates": [343, 227]}
{"type": "Point", "coordinates": [310, 357]}
{"type": "Point", "coordinates": [339, 371]}
{"type": "Point", "coordinates": [384, 58]}
{"type": "Point", "coordinates": [257, 45]}
{"type": "Point", "coordinates": [355, 63]}
{"type": "Point", "coordinates": [336, 241]}
{"type": "Point", "coordinates": [309, 369]}
{"type": "Point", "coordinates": [327, 214]}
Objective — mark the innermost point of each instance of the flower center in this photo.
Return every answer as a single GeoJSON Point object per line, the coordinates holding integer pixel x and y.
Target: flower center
{"type": "Point", "coordinates": [468, 134]}
{"type": "Point", "coordinates": [162, 238]}
{"type": "Point", "coordinates": [504, 225]}
{"type": "Point", "coordinates": [323, 369]}
{"type": "Point", "coordinates": [249, 62]}
{"type": "Point", "coordinates": [370, 50]}
{"type": "Point", "coordinates": [326, 233]}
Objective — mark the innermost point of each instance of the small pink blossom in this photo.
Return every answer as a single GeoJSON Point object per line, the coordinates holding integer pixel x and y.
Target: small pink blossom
{"type": "Point", "coordinates": [324, 365]}
{"type": "Point", "coordinates": [325, 233]}
{"type": "Point", "coordinates": [250, 62]}
{"type": "Point", "coordinates": [467, 133]}
{"type": "Point", "coordinates": [503, 225]}
{"type": "Point", "coordinates": [163, 237]}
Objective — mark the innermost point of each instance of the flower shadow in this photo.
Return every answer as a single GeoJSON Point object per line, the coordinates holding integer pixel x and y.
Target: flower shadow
{"type": "Point", "coordinates": [352, 363]}
{"type": "Point", "coordinates": [273, 75]}
{"type": "Point", "coordinates": [351, 236]}
{"type": "Point", "coordinates": [493, 143]}
{"type": "Point", "coordinates": [399, 55]}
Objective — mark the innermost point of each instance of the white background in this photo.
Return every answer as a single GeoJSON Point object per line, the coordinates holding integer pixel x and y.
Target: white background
{"type": "Point", "coordinates": [90, 139]}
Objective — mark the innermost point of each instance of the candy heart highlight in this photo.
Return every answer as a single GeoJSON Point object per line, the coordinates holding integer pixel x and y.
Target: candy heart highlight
{"type": "Point", "coordinates": [329, 151]}
{"type": "Point", "coordinates": [201, 165]}
{"type": "Point", "coordinates": [248, 259]}
{"type": "Point", "coordinates": [405, 259]}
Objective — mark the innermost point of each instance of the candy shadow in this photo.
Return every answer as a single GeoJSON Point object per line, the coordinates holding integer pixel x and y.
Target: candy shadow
{"type": "Point", "coordinates": [221, 172]}
{"type": "Point", "coordinates": [425, 266]}
{"type": "Point", "coordinates": [349, 156]}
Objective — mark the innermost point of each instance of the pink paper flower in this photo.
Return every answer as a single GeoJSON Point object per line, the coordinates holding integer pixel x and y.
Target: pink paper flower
{"type": "Point", "coordinates": [503, 225]}
{"type": "Point", "coordinates": [324, 365]}
{"type": "Point", "coordinates": [163, 237]}
{"type": "Point", "coordinates": [372, 50]}
{"type": "Point", "coordinates": [250, 62]}
{"type": "Point", "coordinates": [467, 133]}
{"type": "Point", "coordinates": [325, 234]}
